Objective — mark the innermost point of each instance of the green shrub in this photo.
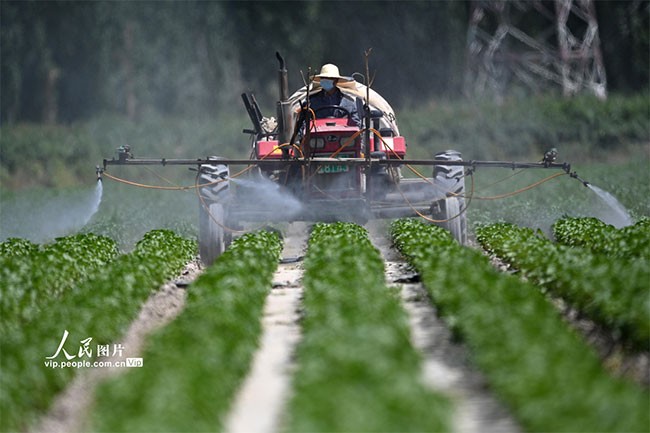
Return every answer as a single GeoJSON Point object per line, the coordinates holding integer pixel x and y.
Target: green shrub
{"type": "Point", "coordinates": [65, 155]}
{"type": "Point", "coordinates": [17, 247]}
{"type": "Point", "coordinates": [582, 127]}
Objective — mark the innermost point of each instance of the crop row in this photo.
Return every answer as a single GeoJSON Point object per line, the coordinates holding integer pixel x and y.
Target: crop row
{"type": "Point", "coordinates": [16, 247]}
{"type": "Point", "coordinates": [549, 377]}
{"type": "Point", "coordinates": [30, 274]}
{"type": "Point", "coordinates": [194, 366]}
{"type": "Point", "coordinates": [357, 370]}
{"type": "Point", "coordinates": [628, 242]}
{"type": "Point", "coordinates": [98, 309]}
{"type": "Point", "coordinates": [612, 291]}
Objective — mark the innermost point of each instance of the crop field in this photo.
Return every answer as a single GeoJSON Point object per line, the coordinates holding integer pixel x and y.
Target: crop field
{"type": "Point", "coordinates": [356, 368]}
{"type": "Point", "coordinates": [549, 302]}
{"type": "Point", "coordinates": [552, 379]}
{"type": "Point", "coordinates": [172, 260]}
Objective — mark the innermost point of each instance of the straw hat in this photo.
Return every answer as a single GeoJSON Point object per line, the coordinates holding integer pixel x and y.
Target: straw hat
{"type": "Point", "coordinates": [330, 70]}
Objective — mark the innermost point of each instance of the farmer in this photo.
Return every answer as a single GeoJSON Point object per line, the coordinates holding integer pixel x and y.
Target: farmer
{"type": "Point", "coordinates": [330, 95]}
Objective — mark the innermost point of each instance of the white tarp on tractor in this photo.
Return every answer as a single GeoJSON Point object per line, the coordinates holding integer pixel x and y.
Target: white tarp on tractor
{"type": "Point", "coordinates": [354, 89]}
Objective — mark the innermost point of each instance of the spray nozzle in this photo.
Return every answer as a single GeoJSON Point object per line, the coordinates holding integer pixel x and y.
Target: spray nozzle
{"type": "Point", "coordinates": [99, 171]}
{"type": "Point", "coordinates": [575, 176]}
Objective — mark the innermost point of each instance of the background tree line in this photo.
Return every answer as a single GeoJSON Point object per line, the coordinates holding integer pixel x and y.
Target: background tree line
{"type": "Point", "coordinates": [64, 61]}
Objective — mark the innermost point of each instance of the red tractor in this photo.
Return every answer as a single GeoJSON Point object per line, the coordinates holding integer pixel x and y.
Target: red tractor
{"type": "Point", "coordinates": [306, 168]}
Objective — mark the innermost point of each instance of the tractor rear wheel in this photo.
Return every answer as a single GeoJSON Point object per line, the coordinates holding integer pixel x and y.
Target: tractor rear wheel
{"type": "Point", "coordinates": [455, 221]}
{"type": "Point", "coordinates": [213, 235]}
{"type": "Point", "coordinates": [451, 209]}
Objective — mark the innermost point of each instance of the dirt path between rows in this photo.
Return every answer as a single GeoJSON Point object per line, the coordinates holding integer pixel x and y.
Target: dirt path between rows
{"type": "Point", "coordinates": [260, 402]}
{"type": "Point", "coordinates": [446, 366]}
{"type": "Point", "coordinates": [69, 412]}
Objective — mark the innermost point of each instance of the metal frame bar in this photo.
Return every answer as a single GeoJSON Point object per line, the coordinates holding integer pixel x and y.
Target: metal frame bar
{"type": "Point", "coordinates": [346, 161]}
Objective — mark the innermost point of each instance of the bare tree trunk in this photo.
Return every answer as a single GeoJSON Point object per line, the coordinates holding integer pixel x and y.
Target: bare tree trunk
{"type": "Point", "coordinates": [50, 99]}
{"type": "Point", "coordinates": [127, 65]}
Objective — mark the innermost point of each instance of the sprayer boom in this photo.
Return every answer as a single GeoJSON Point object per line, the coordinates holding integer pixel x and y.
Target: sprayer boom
{"type": "Point", "coordinates": [368, 162]}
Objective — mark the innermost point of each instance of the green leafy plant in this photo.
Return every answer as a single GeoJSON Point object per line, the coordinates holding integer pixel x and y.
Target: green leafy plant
{"type": "Point", "coordinates": [627, 242]}
{"type": "Point", "coordinates": [193, 367]}
{"type": "Point", "coordinates": [31, 275]}
{"type": "Point", "coordinates": [357, 370]}
{"type": "Point", "coordinates": [611, 291]}
{"type": "Point", "coordinates": [99, 308]}
{"type": "Point", "coordinates": [17, 247]}
{"type": "Point", "coordinates": [550, 378]}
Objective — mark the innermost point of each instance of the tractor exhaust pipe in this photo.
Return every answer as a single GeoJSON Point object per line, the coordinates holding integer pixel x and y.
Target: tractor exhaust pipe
{"type": "Point", "coordinates": [283, 79]}
{"type": "Point", "coordinates": [285, 119]}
